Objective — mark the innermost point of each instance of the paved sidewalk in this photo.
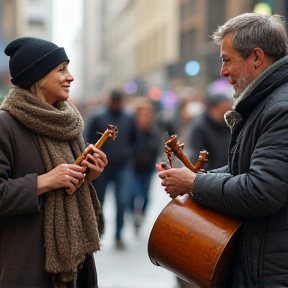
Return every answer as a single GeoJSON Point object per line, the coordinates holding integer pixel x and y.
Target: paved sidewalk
{"type": "Point", "coordinates": [132, 268]}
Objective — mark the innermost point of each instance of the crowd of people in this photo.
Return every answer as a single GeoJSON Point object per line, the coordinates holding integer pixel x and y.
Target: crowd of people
{"type": "Point", "coordinates": [51, 207]}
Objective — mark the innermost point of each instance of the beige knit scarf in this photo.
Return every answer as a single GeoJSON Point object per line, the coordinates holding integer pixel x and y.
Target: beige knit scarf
{"type": "Point", "coordinates": [72, 223]}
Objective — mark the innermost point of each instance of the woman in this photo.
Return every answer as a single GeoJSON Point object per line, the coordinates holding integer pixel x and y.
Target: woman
{"type": "Point", "coordinates": [47, 237]}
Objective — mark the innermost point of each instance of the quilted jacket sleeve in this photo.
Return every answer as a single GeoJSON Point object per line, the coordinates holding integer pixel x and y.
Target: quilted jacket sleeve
{"type": "Point", "coordinates": [263, 188]}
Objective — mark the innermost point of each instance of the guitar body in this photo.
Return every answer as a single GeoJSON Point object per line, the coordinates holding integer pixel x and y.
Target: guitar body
{"type": "Point", "coordinates": [194, 243]}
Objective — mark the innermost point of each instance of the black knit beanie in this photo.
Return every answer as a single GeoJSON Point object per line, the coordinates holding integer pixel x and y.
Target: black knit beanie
{"type": "Point", "coordinates": [31, 59]}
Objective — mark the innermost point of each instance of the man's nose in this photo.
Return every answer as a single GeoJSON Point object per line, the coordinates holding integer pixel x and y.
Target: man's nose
{"type": "Point", "coordinates": [224, 72]}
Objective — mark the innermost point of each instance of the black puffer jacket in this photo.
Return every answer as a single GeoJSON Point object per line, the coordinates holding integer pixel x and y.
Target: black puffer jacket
{"type": "Point", "coordinates": [255, 186]}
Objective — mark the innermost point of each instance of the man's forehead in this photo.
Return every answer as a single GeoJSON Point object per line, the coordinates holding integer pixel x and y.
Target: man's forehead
{"type": "Point", "coordinates": [226, 45]}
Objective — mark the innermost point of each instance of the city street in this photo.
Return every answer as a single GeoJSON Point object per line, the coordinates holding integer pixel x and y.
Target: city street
{"type": "Point", "coordinates": [132, 268]}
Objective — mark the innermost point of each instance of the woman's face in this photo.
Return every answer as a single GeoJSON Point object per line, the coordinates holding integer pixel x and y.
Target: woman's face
{"type": "Point", "coordinates": [56, 84]}
{"type": "Point", "coordinates": [143, 117]}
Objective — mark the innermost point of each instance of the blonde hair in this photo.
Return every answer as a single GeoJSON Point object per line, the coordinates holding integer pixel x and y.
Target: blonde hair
{"type": "Point", "coordinates": [37, 90]}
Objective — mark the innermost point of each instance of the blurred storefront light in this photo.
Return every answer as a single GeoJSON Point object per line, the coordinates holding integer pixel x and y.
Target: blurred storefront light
{"type": "Point", "coordinates": [264, 8]}
{"type": "Point", "coordinates": [168, 100]}
{"type": "Point", "coordinates": [192, 68]}
{"type": "Point", "coordinates": [131, 87]}
{"type": "Point", "coordinates": [220, 86]}
{"type": "Point", "coordinates": [155, 93]}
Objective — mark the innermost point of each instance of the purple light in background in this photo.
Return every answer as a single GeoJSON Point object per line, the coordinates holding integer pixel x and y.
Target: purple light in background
{"type": "Point", "coordinates": [131, 87]}
{"type": "Point", "coordinates": [169, 99]}
{"type": "Point", "coordinates": [220, 86]}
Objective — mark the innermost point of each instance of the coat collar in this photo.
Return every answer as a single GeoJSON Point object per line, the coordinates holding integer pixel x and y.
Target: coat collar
{"type": "Point", "coordinates": [271, 78]}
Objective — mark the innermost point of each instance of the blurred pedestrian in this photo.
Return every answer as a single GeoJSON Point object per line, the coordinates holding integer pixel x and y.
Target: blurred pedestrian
{"type": "Point", "coordinates": [145, 161]}
{"type": "Point", "coordinates": [188, 106]}
{"type": "Point", "coordinates": [121, 155]}
{"type": "Point", "coordinates": [210, 132]}
{"type": "Point", "coordinates": [47, 238]}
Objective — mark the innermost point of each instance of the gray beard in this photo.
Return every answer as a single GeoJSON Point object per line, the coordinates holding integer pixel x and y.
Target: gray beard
{"type": "Point", "coordinates": [241, 95]}
{"type": "Point", "coordinates": [232, 117]}
{"type": "Point", "coordinates": [275, 66]}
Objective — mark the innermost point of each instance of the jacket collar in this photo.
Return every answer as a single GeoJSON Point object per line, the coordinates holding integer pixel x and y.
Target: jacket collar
{"type": "Point", "coordinates": [270, 79]}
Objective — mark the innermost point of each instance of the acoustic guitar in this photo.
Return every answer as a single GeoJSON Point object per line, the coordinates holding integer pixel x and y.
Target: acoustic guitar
{"type": "Point", "coordinates": [195, 243]}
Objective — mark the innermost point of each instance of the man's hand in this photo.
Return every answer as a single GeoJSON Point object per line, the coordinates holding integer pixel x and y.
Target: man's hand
{"type": "Point", "coordinates": [177, 181]}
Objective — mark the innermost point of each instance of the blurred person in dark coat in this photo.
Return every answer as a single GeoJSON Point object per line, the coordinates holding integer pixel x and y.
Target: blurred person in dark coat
{"type": "Point", "coordinates": [210, 132]}
{"type": "Point", "coordinates": [121, 154]}
{"type": "Point", "coordinates": [47, 238]}
{"type": "Point", "coordinates": [145, 161]}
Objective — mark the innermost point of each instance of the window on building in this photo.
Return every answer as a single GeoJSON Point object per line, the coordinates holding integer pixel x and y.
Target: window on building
{"type": "Point", "coordinates": [188, 8]}
{"type": "Point", "coordinates": [215, 15]}
{"type": "Point", "coordinates": [187, 43]}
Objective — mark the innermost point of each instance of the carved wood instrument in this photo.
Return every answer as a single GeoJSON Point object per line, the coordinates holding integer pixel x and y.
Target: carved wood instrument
{"type": "Point", "coordinates": [110, 132]}
{"type": "Point", "coordinates": [193, 242]}
{"type": "Point", "coordinates": [173, 147]}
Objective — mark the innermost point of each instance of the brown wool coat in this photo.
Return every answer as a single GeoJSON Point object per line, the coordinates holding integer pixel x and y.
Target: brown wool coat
{"type": "Point", "coordinates": [22, 254]}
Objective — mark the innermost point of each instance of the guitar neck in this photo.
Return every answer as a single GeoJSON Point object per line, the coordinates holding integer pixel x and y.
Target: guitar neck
{"type": "Point", "coordinates": [185, 160]}
{"type": "Point", "coordinates": [98, 145]}
{"type": "Point", "coordinates": [101, 141]}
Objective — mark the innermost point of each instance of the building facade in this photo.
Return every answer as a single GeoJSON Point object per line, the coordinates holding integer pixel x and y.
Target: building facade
{"type": "Point", "coordinates": [162, 44]}
{"type": "Point", "coordinates": [20, 18]}
{"type": "Point", "coordinates": [152, 42]}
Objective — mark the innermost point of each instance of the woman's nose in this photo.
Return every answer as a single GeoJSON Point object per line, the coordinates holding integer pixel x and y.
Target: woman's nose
{"type": "Point", "coordinates": [69, 76]}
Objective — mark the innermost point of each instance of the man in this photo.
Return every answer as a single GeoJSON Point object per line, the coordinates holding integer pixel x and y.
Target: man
{"type": "Point", "coordinates": [253, 186]}
{"type": "Point", "coordinates": [121, 154]}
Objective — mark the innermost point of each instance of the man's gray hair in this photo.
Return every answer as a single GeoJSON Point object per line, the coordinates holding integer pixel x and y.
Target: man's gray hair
{"type": "Point", "coordinates": [251, 30]}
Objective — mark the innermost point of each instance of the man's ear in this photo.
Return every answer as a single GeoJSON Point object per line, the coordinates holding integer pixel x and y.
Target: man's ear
{"type": "Point", "coordinates": [258, 57]}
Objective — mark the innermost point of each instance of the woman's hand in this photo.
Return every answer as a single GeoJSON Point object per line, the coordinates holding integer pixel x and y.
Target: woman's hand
{"type": "Point", "coordinates": [94, 163]}
{"type": "Point", "coordinates": [177, 181]}
{"type": "Point", "coordinates": [66, 176]}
